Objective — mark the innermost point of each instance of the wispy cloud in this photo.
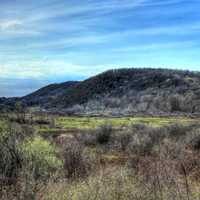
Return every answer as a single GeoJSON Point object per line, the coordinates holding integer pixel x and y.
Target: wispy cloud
{"type": "Point", "coordinates": [156, 46]}
{"type": "Point", "coordinates": [10, 24]}
{"type": "Point", "coordinates": [97, 38]}
{"type": "Point", "coordinates": [33, 18]}
{"type": "Point", "coordinates": [45, 39]}
{"type": "Point", "coordinates": [67, 9]}
{"type": "Point", "coordinates": [14, 28]}
{"type": "Point", "coordinates": [38, 69]}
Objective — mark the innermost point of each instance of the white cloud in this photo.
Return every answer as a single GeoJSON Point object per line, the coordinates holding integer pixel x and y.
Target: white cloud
{"type": "Point", "coordinates": [67, 9]}
{"type": "Point", "coordinates": [101, 38]}
{"type": "Point", "coordinates": [10, 24]}
{"type": "Point", "coordinates": [45, 69]}
{"type": "Point", "coordinates": [34, 20]}
{"type": "Point", "coordinates": [16, 27]}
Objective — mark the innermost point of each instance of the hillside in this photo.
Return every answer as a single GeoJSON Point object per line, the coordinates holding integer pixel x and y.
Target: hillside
{"type": "Point", "coordinates": [123, 91]}
{"type": "Point", "coordinates": [48, 94]}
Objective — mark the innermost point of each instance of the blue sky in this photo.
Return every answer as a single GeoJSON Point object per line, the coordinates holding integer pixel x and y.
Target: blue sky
{"type": "Point", "coordinates": [46, 41]}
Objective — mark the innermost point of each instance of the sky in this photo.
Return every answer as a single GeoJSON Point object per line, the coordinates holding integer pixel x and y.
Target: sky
{"type": "Point", "coordinates": [51, 41]}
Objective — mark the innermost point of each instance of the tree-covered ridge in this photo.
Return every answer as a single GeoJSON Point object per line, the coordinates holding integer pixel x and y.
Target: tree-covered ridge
{"type": "Point", "coordinates": [124, 91]}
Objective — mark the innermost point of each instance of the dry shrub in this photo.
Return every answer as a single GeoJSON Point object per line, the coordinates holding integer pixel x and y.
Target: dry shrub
{"type": "Point", "coordinates": [176, 131]}
{"type": "Point", "coordinates": [193, 140]}
{"type": "Point", "coordinates": [10, 155]}
{"type": "Point", "coordinates": [141, 145]}
{"type": "Point", "coordinates": [25, 162]}
{"type": "Point", "coordinates": [103, 134]}
{"type": "Point", "coordinates": [120, 183]}
{"type": "Point", "coordinates": [169, 149]}
{"type": "Point", "coordinates": [190, 164]}
{"type": "Point", "coordinates": [76, 164]}
{"type": "Point", "coordinates": [88, 138]}
{"type": "Point", "coordinates": [163, 178]}
{"type": "Point", "coordinates": [144, 139]}
{"type": "Point", "coordinates": [124, 140]}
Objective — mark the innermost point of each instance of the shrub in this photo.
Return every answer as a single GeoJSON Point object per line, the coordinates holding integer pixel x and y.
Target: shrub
{"type": "Point", "coordinates": [11, 162]}
{"type": "Point", "coordinates": [88, 138]}
{"type": "Point", "coordinates": [115, 184]}
{"type": "Point", "coordinates": [196, 142]}
{"type": "Point", "coordinates": [75, 163]}
{"type": "Point", "coordinates": [145, 138]}
{"type": "Point", "coordinates": [10, 155]}
{"type": "Point", "coordinates": [141, 144]}
{"type": "Point", "coordinates": [40, 158]}
{"type": "Point", "coordinates": [170, 149]}
{"type": "Point", "coordinates": [21, 131]}
{"type": "Point", "coordinates": [124, 140]}
{"type": "Point", "coordinates": [25, 162]}
{"type": "Point", "coordinates": [175, 103]}
{"type": "Point", "coordinates": [193, 140]}
{"type": "Point", "coordinates": [176, 131]}
{"type": "Point", "coordinates": [104, 134]}
{"type": "Point", "coordinates": [156, 134]}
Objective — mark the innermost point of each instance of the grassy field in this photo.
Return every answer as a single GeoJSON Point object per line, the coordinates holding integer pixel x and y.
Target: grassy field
{"type": "Point", "coordinates": [83, 123]}
{"type": "Point", "coordinates": [94, 122]}
{"type": "Point", "coordinates": [66, 124]}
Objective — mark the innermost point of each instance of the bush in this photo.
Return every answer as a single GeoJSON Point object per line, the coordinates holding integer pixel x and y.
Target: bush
{"type": "Point", "coordinates": [124, 140]}
{"type": "Point", "coordinates": [21, 131]}
{"type": "Point", "coordinates": [10, 155]}
{"type": "Point", "coordinates": [88, 138]}
{"type": "Point", "coordinates": [25, 162]}
{"type": "Point", "coordinates": [193, 140]}
{"type": "Point", "coordinates": [75, 163]}
{"type": "Point", "coordinates": [170, 149]}
{"type": "Point", "coordinates": [104, 134]}
{"type": "Point", "coordinates": [196, 142]}
{"type": "Point", "coordinates": [176, 131]}
{"type": "Point", "coordinates": [144, 138]}
{"type": "Point", "coordinates": [40, 158]}
{"type": "Point", "coordinates": [175, 103]}
{"type": "Point", "coordinates": [141, 145]}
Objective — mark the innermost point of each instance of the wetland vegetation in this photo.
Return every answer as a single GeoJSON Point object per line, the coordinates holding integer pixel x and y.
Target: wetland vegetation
{"type": "Point", "coordinates": [58, 157]}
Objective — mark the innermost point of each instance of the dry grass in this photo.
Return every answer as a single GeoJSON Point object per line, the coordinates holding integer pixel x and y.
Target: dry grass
{"type": "Point", "coordinates": [137, 162]}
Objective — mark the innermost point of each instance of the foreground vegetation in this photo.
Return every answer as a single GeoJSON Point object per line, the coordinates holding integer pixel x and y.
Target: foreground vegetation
{"type": "Point", "coordinates": [60, 158]}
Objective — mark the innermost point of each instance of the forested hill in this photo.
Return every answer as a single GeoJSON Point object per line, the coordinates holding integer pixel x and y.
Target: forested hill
{"type": "Point", "coordinates": [123, 91]}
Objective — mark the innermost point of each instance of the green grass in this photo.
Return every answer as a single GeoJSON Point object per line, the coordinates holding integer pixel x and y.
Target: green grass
{"type": "Point", "coordinates": [94, 122]}
{"type": "Point", "coordinates": [72, 123]}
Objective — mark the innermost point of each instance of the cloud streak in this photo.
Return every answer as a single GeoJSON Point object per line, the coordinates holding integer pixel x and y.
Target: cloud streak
{"type": "Point", "coordinates": [54, 39]}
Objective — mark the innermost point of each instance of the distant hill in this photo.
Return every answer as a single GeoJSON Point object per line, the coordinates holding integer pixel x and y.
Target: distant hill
{"type": "Point", "coordinates": [122, 91]}
{"type": "Point", "coordinates": [46, 95]}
